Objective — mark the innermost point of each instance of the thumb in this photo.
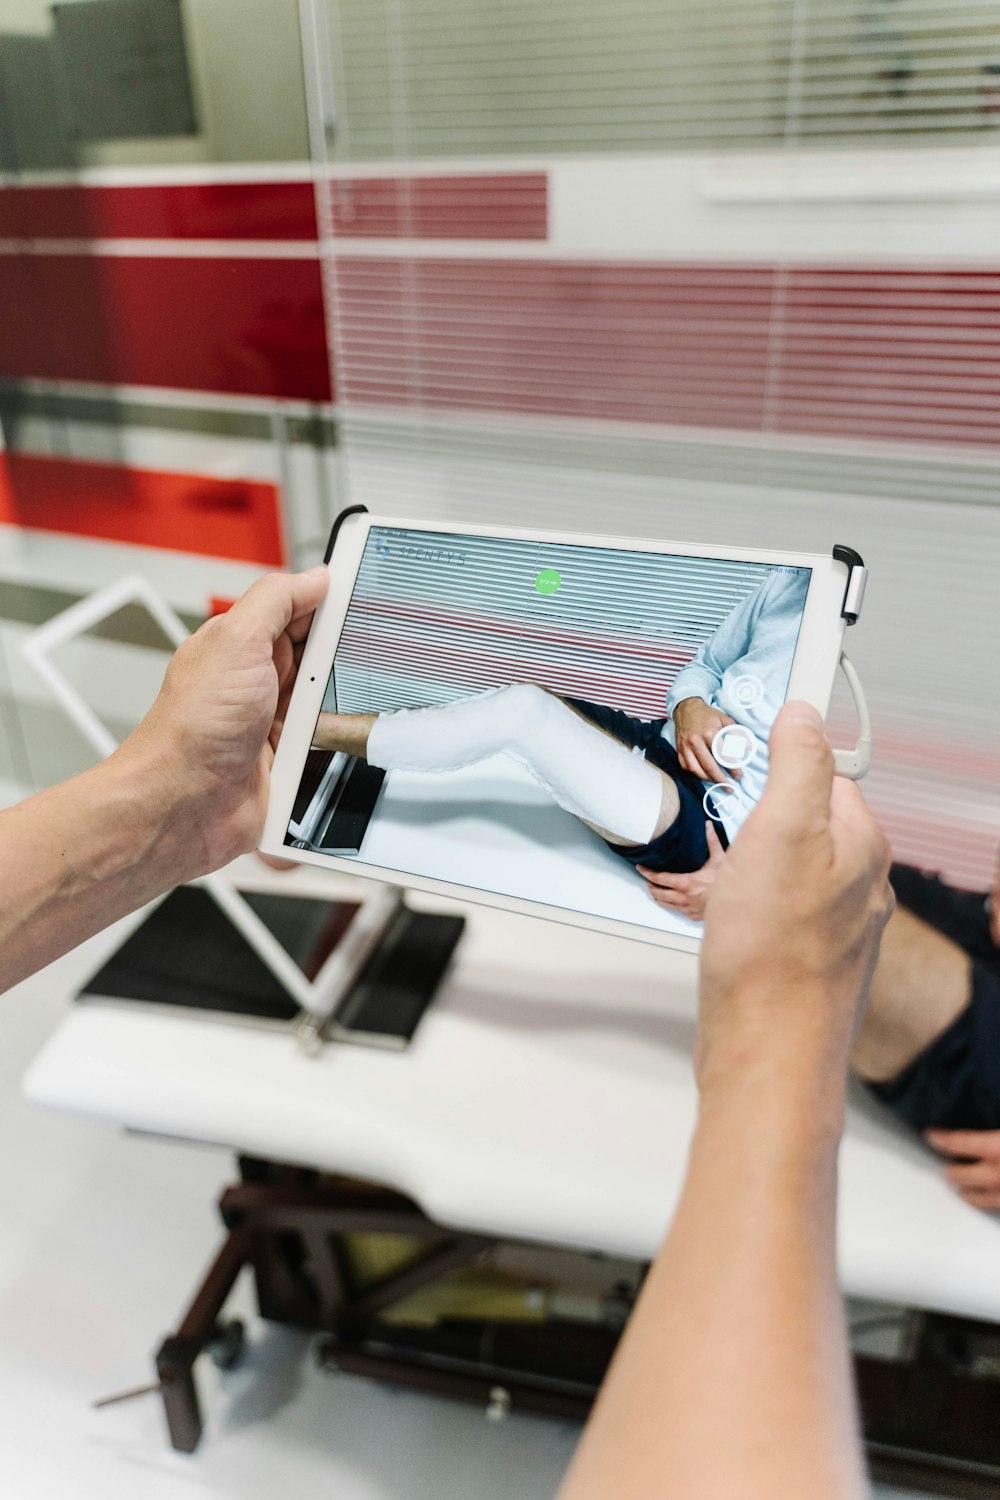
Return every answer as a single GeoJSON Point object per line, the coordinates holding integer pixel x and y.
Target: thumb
{"type": "Point", "coordinates": [800, 774]}
{"type": "Point", "coordinates": [715, 849]}
{"type": "Point", "coordinates": [275, 601]}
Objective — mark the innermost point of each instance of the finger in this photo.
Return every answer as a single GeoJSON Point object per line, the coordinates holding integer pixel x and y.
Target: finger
{"type": "Point", "coordinates": [733, 771]}
{"type": "Point", "coordinates": [274, 863]}
{"type": "Point", "coordinates": [657, 877]}
{"type": "Point", "coordinates": [299, 629]}
{"type": "Point", "coordinates": [686, 759]}
{"type": "Point", "coordinates": [977, 1143]}
{"type": "Point", "coordinates": [800, 774]}
{"type": "Point", "coordinates": [707, 766]}
{"type": "Point", "coordinates": [658, 894]}
{"type": "Point", "coordinates": [665, 881]}
{"type": "Point", "coordinates": [279, 600]}
{"type": "Point", "coordinates": [284, 659]}
{"type": "Point", "coordinates": [983, 1198]}
{"type": "Point", "coordinates": [715, 849]}
{"type": "Point", "coordinates": [863, 845]}
{"type": "Point", "coordinates": [720, 772]}
{"type": "Point", "coordinates": [681, 907]}
{"type": "Point", "coordinates": [974, 1174]}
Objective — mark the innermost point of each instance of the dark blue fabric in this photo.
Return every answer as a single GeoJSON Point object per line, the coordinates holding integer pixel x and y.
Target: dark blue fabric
{"type": "Point", "coordinates": [954, 1083]}
{"type": "Point", "coordinates": [683, 847]}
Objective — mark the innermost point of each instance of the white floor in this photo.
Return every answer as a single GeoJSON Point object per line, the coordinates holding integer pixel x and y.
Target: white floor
{"type": "Point", "coordinates": [101, 1239]}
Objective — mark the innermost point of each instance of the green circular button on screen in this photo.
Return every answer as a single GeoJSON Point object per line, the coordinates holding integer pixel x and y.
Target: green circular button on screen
{"type": "Point", "coordinates": [547, 581]}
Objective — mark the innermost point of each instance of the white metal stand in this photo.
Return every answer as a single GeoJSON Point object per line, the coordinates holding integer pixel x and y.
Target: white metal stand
{"type": "Point", "coordinates": [318, 998]}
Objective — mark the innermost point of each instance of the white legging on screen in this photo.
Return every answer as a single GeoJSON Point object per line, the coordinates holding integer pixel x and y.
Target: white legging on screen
{"type": "Point", "coordinates": [588, 773]}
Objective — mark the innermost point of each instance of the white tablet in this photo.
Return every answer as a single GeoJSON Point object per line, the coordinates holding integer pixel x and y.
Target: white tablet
{"type": "Point", "coordinates": [531, 719]}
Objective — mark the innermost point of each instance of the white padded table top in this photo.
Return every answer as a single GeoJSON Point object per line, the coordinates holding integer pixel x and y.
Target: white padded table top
{"type": "Point", "coordinates": [491, 827]}
{"type": "Point", "coordinates": [547, 1096]}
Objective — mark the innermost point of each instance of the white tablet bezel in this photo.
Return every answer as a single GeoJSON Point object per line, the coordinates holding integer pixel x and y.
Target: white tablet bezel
{"type": "Point", "coordinates": [813, 670]}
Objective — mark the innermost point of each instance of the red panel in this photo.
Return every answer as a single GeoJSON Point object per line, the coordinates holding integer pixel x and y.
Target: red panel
{"type": "Point", "coordinates": [247, 327]}
{"type": "Point", "coordinates": [218, 605]}
{"type": "Point", "coordinates": [651, 343]}
{"type": "Point", "coordinates": [843, 352]}
{"type": "Point", "coordinates": [500, 206]}
{"type": "Point", "coordinates": [205, 211]}
{"type": "Point", "coordinates": [909, 354]}
{"type": "Point", "coordinates": [504, 206]}
{"type": "Point", "coordinates": [236, 518]}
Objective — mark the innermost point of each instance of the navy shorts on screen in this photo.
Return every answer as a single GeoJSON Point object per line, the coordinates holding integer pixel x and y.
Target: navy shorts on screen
{"type": "Point", "coordinates": [954, 1083]}
{"type": "Point", "coordinates": [684, 846]}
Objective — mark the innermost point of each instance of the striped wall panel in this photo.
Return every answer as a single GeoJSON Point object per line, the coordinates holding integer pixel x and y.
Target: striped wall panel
{"type": "Point", "coordinates": [508, 206]}
{"type": "Point", "coordinates": [841, 351]}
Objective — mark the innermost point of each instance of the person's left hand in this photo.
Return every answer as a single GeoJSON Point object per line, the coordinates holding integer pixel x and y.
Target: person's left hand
{"type": "Point", "coordinates": [995, 907]}
{"type": "Point", "coordinates": [687, 893]}
{"type": "Point", "coordinates": [976, 1172]}
{"type": "Point", "coordinates": [207, 744]}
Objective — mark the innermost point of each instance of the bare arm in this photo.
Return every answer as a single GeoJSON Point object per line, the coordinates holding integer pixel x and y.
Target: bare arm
{"type": "Point", "coordinates": [732, 1377]}
{"type": "Point", "coordinates": [185, 793]}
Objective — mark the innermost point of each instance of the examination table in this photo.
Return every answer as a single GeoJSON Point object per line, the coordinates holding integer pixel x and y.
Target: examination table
{"type": "Point", "coordinates": [546, 1099]}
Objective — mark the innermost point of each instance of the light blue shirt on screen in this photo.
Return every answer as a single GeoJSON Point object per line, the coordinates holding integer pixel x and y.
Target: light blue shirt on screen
{"type": "Point", "coordinates": [743, 670]}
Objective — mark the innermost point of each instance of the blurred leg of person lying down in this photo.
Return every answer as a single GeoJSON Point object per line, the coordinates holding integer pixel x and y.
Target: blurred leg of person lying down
{"type": "Point", "coordinates": [929, 1046]}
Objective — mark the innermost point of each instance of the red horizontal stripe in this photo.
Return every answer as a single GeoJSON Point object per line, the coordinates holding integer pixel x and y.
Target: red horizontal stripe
{"type": "Point", "coordinates": [471, 673]}
{"type": "Point", "coordinates": [198, 211]}
{"type": "Point", "coordinates": [400, 616]}
{"type": "Point", "coordinates": [497, 206]}
{"type": "Point", "coordinates": [233, 518]}
{"type": "Point", "coordinates": [246, 327]}
{"type": "Point", "coordinates": [502, 206]}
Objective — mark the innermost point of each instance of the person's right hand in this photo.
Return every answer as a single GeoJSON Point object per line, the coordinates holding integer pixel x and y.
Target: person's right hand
{"type": "Point", "coordinates": [687, 893]}
{"type": "Point", "coordinates": [792, 926]}
{"type": "Point", "coordinates": [975, 1165]}
{"type": "Point", "coordinates": [696, 725]}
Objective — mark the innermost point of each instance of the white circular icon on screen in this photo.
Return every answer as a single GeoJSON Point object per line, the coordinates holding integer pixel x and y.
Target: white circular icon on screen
{"type": "Point", "coordinates": [721, 798]}
{"type": "Point", "coordinates": [733, 747]}
{"type": "Point", "coordinates": [748, 690]}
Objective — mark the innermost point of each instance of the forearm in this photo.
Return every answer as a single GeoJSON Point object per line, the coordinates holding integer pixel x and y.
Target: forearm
{"type": "Point", "coordinates": [733, 1377]}
{"type": "Point", "coordinates": [86, 852]}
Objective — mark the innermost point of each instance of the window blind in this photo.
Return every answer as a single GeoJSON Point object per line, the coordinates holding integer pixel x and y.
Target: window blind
{"type": "Point", "coordinates": [429, 78]}
{"type": "Point", "coordinates": [435, 617]}
{"type": "Point", "coordinates": [542, 311]}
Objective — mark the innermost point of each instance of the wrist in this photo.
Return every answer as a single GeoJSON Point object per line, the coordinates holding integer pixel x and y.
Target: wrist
{"type": "Point", "coordinates": [784, 1127]}
{"type": "Point", "coordinates": [687, 705]}
{"type": "Point", "coordinates": [172, 824]}
{"type": "Point", "coordinates": [790, 1080]}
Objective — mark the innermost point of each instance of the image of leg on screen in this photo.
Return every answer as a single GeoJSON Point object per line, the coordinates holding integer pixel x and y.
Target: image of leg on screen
{"type": "Point", "coordinates": [617, 774]}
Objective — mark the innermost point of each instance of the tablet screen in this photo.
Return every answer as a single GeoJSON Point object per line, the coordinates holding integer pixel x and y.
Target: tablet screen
{"type": "Point", "coordinates": [547, 720]}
